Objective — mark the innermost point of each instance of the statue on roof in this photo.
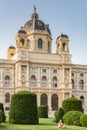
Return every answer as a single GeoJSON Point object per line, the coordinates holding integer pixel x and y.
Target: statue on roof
{"type": "Point", "coordinates": [34, 9]}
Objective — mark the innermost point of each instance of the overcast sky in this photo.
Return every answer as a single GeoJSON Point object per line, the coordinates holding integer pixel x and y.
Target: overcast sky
{"type": "Point", "coordinates": [63, 16]}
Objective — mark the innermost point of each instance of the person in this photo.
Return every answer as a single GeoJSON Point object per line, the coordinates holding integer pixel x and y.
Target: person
{"type": "Point", "coordinates": [60, 124]}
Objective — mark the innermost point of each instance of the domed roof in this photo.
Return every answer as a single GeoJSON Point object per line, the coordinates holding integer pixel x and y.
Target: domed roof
{"type": "Point", "coordinates": [36, 24]}
{"type": "Point", "coordinates": [22, 32]}
{"type": "Point", "coordinates": [11, 47]}
{"type": "Point", "coordinates": [62, 35]}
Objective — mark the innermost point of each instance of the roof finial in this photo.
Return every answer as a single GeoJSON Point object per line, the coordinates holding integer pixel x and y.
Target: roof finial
{"type": "Point", "coordinates": [34, 9]}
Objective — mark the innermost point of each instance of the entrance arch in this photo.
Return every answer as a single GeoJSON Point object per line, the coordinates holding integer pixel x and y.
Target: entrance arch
{"type": "Point", "coordinates": [54, 102]}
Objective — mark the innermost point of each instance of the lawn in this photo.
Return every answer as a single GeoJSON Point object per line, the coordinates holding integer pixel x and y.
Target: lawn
{"type": "Point", "coordinates": [44, 124]}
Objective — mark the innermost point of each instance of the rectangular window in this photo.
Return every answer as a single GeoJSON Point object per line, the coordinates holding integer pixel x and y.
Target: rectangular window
{"type": "Point", "coordinates": [81, 74]}
{"type": "Point", "coordinates": [55, 71]}
{"type": "Point", "coordinates": [7, 108]}
{"type": "Point", "coordinates": [72, 74]}
{"type": "Point", "coordinates": [33, 70]}
{"type": "Point", "coordinates": [44, 70]}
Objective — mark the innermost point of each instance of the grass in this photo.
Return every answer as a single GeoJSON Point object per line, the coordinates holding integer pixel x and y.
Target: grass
{"type": "Point", "coordinates": [44, 124]}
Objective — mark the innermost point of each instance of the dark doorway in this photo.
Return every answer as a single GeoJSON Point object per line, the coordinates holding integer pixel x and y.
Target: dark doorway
{"type": "Point", "coordinates": [54, 102]}
{"type": "Point", "coordinates": [44, 100]}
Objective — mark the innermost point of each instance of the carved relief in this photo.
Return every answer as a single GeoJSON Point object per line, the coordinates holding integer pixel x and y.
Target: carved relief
{"type": "Point", "coordinates": [7, 71]}
{"type": "Point", "coordinates": [23, 69]}
{"type": "Point", "coordinates": [22, 78]}
{"type": "Point", "coordinates": [23, 55]}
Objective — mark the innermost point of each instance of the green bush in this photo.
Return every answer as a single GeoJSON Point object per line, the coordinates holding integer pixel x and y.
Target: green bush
{"type": "Point", "coordinates": [59, 114]}
{"type": "Point", "coordinates": [23, 108]}
{"type": "Point", "coordinates": [2, 108]}
{"type": "Point", "coordinates": [72, 104]}
{"type": "Point", "coordinates": [2, 116]}
{"type": "Point", "coordinates": [43, 111]}
{"type": "Point", "coordinates": [83, 120]}
{"type": "Point", "coordinates": [72, 118]}
{"type": "Point", "coordinates": [0, 119]}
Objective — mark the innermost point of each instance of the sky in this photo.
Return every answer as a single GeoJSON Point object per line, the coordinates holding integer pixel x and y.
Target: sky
{"type": "Point", "coordinates": [63, 16]}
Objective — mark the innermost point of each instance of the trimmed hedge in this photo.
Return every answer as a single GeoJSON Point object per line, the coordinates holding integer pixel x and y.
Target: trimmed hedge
{"type": "Point", "coordinates": [83, 120]}
{"type": "Point", "coordinates": [72, 104]}
{"type": "Point", "coordinates": [1, 116]}
{"type": "Point", "coordinates": [2, 108]}
{"type": "Point", "coordinates": [72, 118]}
{"type": "Point", "coordinates": [23, 108]}
{"type": "Point", "coordinates": [43, 111]}
{"type": "Point", "coordinates": [59, 114]}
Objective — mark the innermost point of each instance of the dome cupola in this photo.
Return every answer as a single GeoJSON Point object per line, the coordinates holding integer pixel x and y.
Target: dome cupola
{"type": "Point", "coordinates": [36, 24]}
{"type": "Point", "coordinates": [35, 35]}
{"type": "Point", "coordinates": [62, 36]}
{"type": "Point", "coordinates": [34, 15]}
{"type": "Point", "coordinates": [10, 52]}
{"type": "Point", "coordinates": [62, 44]}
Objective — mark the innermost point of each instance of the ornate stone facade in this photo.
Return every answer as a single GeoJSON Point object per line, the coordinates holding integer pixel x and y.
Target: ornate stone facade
{"type": "Point", "coordinates": [31, 65]}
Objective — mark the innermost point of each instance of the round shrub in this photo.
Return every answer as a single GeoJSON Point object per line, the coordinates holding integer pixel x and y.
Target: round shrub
{"type": "Point", "coordinates": [72, 104]}
{"type": "Point", "coordinates": [72, 118]}
{"type": "Point", "coordinates": [59, 114]}
{"type": "Point", "coordinates": [2, 108]}
{"type": "Point", "coordinates": [43, 111]}
{"type": "Point", "coordinates": [83, 120]}
{"type": "Point", "coordinates": [23, 108]}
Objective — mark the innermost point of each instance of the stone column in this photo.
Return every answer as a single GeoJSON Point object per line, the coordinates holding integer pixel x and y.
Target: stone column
{"type": "Point", "coordinates": [38, 99]}
{"type": "Point", "coordinates": [50, 78]}
{"type": "Point", "coordinates": [49, 101]}
{"type": "Point", "coordinates": [27, 76]}
{"type": "Point", "coordinates": [38, 78]}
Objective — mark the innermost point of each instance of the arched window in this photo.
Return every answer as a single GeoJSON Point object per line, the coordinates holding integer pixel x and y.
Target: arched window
{"type": "Point", "coordinates": [81, 84]}
{"type": "Point", "coordinates": [28, 43]}
{"type": "Point", "coordinates": [82, 99]}
{"type": "Point", "coordinates": [7, 98]}
{"type": "Point", "coordinates": [72, 84]}
{"type": "Point", "coordinates": [54, 82]}
{"type": "Point", "coordinates": [54, 102]}
{"type": "Point", "coordinates": [40, 43]}
{"type": "Point", "coordinates": [64, 46]}
{"type": "Point", "coordinates": [33, 81]}
{"type": "Point", "coordinates": [44, 100]}
{"type": "Point", "coordinates": [22, 42]}
{"type": "Point", "coordinates": [7, 81]}
{"type": "Point", "coordinates": [44, 81]}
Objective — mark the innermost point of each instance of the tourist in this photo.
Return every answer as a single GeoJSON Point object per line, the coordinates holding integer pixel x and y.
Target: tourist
{"type": "Point", "coordinates": [60, 124]}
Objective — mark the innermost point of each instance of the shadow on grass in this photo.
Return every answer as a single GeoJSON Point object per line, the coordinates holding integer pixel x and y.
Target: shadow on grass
{"type": "Point", "coordinates": [46, 124]}
{"type": "Point", "coordinates": [2, 127]}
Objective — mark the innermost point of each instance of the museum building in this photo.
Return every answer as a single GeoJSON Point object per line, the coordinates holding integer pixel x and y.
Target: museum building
{"type": "Point", "coordinates": [31, 65]}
